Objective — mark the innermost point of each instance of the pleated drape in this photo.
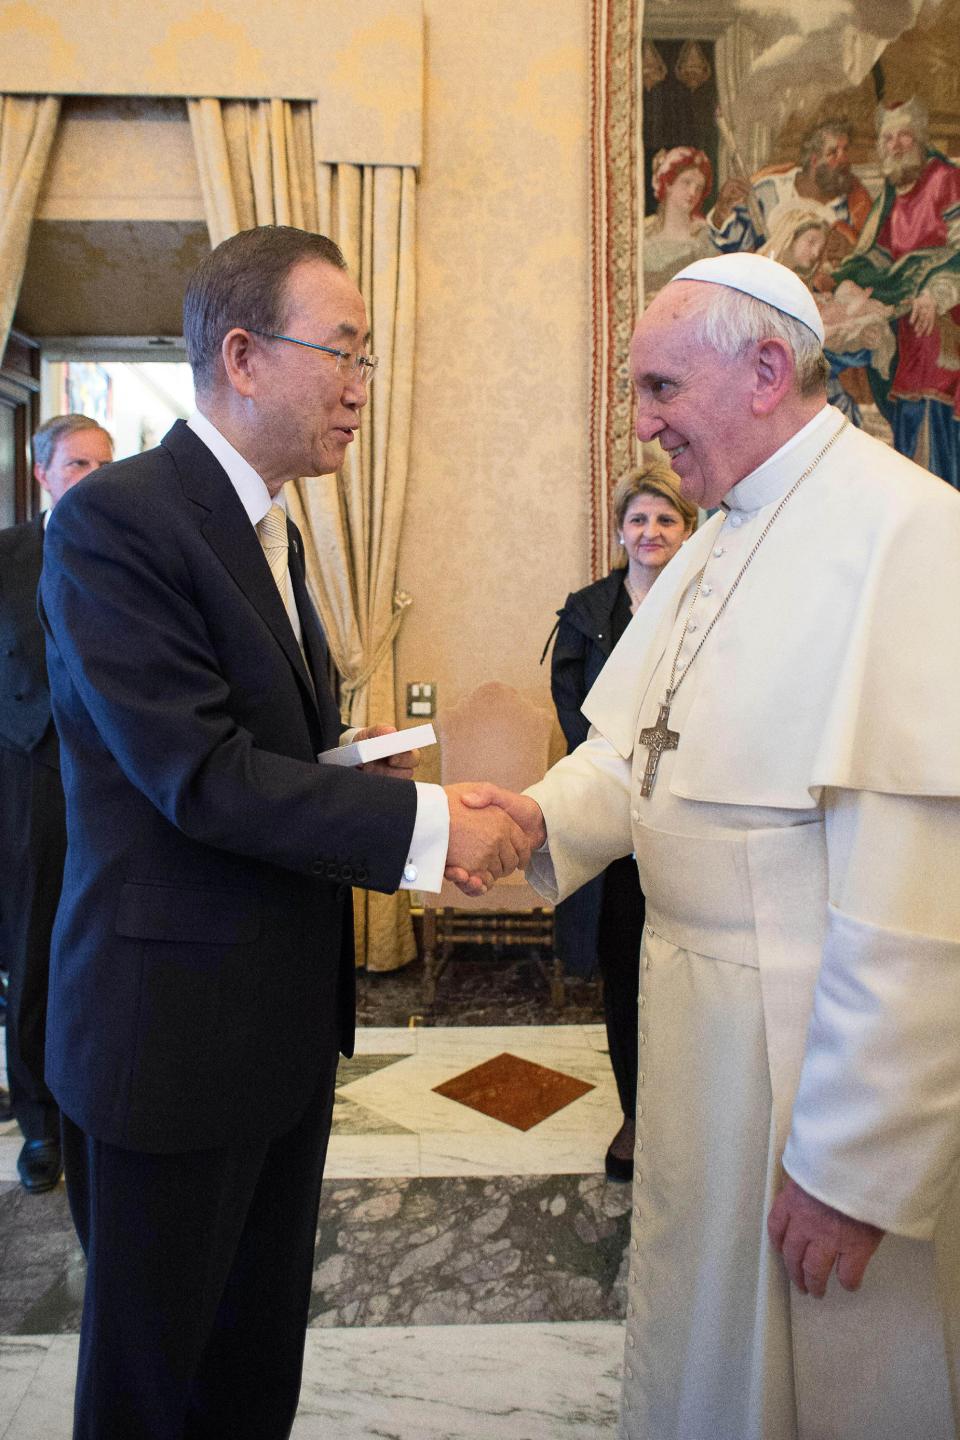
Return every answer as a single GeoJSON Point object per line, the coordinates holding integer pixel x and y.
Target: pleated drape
{"type": "Point", "coordinates": [28, 124]}
{"type": "Point", "coordinates": [259, 165]}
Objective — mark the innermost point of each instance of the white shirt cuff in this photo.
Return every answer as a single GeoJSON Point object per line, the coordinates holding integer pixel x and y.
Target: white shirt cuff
{"type": "Point", "coordinates": [429, 842]}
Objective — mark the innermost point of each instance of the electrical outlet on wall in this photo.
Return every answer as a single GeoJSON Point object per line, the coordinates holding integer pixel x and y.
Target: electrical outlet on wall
{"type": "Point", "coordinates": [421, 700]}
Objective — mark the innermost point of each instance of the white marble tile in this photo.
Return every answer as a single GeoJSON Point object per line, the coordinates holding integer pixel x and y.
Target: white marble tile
{"type": "Point", "coordinates": [453, 1043]}
{"type": "Point", "coordinates": [512, 1153]}
{"type": "Point", "coordinates": [405, 1093]}
{"type": "Point", "coordinates": [20, 1358]}
{"type": "Point", "coordinates": [365, 1157]}
{"type": "Point", "coordinates": [11, 1143]}
{"type": "Point", "coordinates": [386, 1040]}
{"type": "Point", "coordinates": [437, 1382]}
{"type": "Point", "coordinates": [471, 1382]}
{"type": "Point", "coordinates": [45, 1409]}
{"type": "Point", "coordinates": [596, 1037]}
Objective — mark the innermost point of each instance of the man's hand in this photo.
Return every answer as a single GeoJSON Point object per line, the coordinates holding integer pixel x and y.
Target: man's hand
{"type": "Point", "coordinates": [523, 811]}
{"type": "Point", "coordinates": [923, 313]}
{"type": "Point", "coordinates": [486, 842]}
{"type": "Point", "coordinates": [732, 192]}
{"type": "Point", "coordinates": [401, 766]}
{"type": "Point", "coordinates": [813, 1237]}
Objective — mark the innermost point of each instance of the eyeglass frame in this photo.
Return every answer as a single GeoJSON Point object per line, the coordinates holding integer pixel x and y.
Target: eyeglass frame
{"type": "Point", "coordinates": [364, 367]}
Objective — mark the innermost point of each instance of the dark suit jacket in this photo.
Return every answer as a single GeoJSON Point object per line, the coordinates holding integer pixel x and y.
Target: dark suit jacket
{"type": "Point", "coordinates": [201, 969]}
{"type": "Point", "coordinates": [585, 638]}
{"type": "Point", "coordinates": [24, 694]}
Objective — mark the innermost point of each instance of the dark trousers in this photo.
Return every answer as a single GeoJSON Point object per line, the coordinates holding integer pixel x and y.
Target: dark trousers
{"type": "Point", "coordinates": [33, 843]}
{"type": "Point", "coordinates": [618, 952]}
{"type": "Point", "coordinates": [199, 1270]}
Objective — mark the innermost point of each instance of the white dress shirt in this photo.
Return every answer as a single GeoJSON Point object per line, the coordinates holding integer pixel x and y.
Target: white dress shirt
{"type": "Point", "coordinates": [431, 831]}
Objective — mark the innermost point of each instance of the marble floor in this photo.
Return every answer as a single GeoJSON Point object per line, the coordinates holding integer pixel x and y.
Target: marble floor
{"type": "Point", "coordinates": [470, 1272]}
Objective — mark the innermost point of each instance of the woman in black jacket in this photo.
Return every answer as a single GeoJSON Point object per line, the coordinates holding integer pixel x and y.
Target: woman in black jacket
{"type": "Point", "coordinates": [602, 923]}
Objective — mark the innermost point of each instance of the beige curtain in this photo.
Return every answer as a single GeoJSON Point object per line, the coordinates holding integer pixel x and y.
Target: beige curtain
{"type": "Point", "coordinates": [27, 127]}
{"type": "Point", "coordinates": [259, 166]}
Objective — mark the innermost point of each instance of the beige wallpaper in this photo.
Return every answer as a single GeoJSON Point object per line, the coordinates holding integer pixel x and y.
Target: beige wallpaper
{"type": "Point", "coordinates": [495, 535]}
{"type": "Point", "coordinates": [363, 61]}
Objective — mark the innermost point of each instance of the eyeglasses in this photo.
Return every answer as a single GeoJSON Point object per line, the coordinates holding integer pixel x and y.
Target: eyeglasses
{"type": "Point", "coordinates": [358, 367]}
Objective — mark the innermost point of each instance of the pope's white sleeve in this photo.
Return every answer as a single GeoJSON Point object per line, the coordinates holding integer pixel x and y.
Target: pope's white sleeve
{"type": "Point", "coordinates": [585, 801]}
{"type": "Point", "coordinates": [876, 1122]}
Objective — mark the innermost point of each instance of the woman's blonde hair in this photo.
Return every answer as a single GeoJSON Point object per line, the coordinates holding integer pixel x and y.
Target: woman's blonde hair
{"type": "Point", "coordinates": [656, 477]}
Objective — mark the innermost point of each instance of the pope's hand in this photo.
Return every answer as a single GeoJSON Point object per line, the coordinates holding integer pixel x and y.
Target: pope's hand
{"type": "Point", "coordinates": [524, 812]}
{"type": "Point", "coordinates": [485, 842]}
{"type": "Point", "coordinates": [400, 766]}
{"type": "Point", "coordinates": [813, 1237]}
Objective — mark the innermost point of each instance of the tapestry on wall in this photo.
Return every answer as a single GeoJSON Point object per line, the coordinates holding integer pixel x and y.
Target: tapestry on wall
{"type": "Point", "coordinates": [834, 150]}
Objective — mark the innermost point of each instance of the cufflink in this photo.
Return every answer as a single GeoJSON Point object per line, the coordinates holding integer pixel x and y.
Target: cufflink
{"type": "Point", "coordinates": [410, 872]}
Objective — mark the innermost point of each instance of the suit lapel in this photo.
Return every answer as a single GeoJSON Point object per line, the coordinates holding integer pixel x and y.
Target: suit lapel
{"type": "Point", "coordinates": [234, 541]}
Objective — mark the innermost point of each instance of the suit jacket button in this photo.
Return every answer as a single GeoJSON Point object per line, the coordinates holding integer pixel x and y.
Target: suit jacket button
{"type": "Point", "coordinates": [362, 875]}
{"type": "Point", "coordinates": [346, 872]}
{"type": "Point", "coordinates": [317, 867]}
{"type": "Point", "coordinates": [333, 871]}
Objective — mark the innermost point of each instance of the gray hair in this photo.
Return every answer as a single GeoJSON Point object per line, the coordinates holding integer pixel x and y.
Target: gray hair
{"type": "Point", "coordinates": [913, 111]}
{"type": "Point", "coordinates": [51, 432]}
{"type": "Point", "coordinates": [243, 283]}
{"type": "Point", "coordinates": [812, 142]}
{"type": "Point", "coordinates": [728, 321]}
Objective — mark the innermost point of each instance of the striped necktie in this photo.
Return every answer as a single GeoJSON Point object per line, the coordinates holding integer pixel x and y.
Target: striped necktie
{"type": "Point", "coordinates": [272, 530]}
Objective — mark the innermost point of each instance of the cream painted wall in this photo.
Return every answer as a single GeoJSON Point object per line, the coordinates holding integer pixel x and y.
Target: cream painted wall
{"type": "Point", "coordinates": [496, 531]}
{"type": "Point", "coordinates": [495, 534]}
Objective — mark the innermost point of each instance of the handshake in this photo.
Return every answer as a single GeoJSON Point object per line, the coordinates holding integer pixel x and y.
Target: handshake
{"type": "Point", "coordinates": [492, 833]}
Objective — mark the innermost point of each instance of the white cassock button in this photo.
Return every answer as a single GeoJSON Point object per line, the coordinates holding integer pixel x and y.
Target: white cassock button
{"type": "Point", "coordinates": [639, 1144]}
{"type": "Point", "coordinates": [635, 816]}
{"type": "Point", "coordinates": [692, 626]}
{"type": "Point", "coordinates": [634, 1245]}
{"type": "Point", "coordinates": [642, 1038]}
{"type": "Point", "coordinates": [637, 1178]}
{"type": "Point", "coordinates": [706, 589]}
{"type": "Point", "coordinates": [718, 551]}
{"type": "Point", "coordinates": [735, 521]}
{"type": "Point", "coordinates": [639, 1111]}
{"type": "Point", "coordinates": [641, 1078]}
{"type": "Point", "coordinates": [681, 664]}
{"type": "Point", "coordinates": [640, 1001]}
{"type": "Point", "coordinates": [631, 1339]}
{"type": "Point", "coordinates": [410, 872]}
{"type": "Point", "coordinates": [629, 1373]}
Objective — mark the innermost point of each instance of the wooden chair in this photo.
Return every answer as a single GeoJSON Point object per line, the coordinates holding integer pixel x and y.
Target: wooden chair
{"type": "Point", "coordinates": [491, 734]}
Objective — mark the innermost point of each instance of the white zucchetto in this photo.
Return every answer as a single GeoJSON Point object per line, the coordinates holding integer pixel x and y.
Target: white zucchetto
{"type": "Point", "coordinates": [764, 279]}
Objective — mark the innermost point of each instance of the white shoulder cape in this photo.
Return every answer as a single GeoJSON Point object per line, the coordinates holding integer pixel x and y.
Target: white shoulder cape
{"type": "Point", "coordinates": [837, 661]}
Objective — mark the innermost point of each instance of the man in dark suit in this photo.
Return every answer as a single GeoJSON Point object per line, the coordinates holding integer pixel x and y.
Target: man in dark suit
{"type": "Point", "coordinates": [202, 975]}
{"type": "Point", "coordinates": [32, 828]}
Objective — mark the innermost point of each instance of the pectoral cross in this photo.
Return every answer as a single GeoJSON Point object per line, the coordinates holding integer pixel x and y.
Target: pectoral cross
{"type": "Point", "coordinates": [657, 738]}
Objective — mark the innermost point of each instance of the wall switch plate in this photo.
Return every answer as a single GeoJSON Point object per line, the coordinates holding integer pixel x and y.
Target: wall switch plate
{"type": "Point", "coordinates": [421, 700]}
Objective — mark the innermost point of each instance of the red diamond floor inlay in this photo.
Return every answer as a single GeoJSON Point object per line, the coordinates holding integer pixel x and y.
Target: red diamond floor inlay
{"type": "Point", "coordinates": [514, 1091]}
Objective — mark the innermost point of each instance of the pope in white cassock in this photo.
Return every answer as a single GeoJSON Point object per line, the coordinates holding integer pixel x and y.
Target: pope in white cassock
{"type": "Point", "coordinates": [777, 737]}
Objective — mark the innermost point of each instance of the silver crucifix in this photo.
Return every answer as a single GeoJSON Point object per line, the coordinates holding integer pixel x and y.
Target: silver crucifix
{"type": "Point", "coordinates": [657, 738]}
